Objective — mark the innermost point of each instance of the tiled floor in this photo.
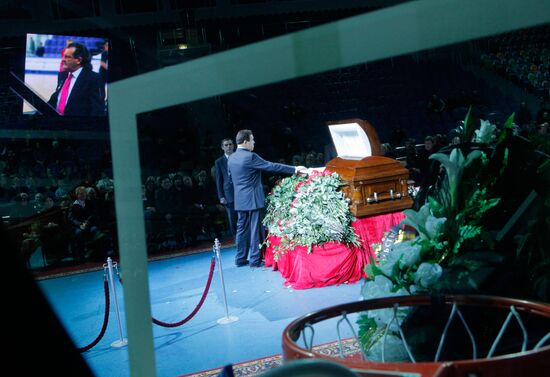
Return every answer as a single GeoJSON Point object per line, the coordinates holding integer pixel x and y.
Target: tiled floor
{"type": "Point", "coordinates": [257, 297]}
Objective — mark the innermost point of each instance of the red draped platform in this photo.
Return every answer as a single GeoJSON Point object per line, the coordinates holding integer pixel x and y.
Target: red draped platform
{"type": "Point", "coordinates": [332, 263]}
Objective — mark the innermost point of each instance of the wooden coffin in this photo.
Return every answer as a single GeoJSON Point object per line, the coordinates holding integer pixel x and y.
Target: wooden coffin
{"type": "Point", "coordinates": [374, 184]}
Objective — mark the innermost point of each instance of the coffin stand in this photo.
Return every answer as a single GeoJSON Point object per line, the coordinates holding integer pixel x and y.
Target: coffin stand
{"type": "Point", "coordinates": [374, 184]}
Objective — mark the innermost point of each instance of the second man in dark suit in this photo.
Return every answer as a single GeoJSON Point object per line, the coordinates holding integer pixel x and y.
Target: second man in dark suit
{"type": "Point", "coordinates": [245, 168]}
{"type": "Point", "coordinates": [224, 185]}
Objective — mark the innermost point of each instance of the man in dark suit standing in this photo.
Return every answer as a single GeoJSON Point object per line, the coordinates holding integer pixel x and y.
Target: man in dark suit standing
{"type": "Point", "coordinates": [245, 168]}
{"type": "Point", "coordinates": [79, 89]}
{"type": "Point", "coordinates": [224, 185]}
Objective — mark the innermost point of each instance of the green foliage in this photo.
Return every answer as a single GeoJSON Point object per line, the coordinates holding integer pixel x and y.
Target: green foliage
{"type": "Point", "coordinates": [417, 220]}
{"type": "Point", "coordinates": [453, 247]}
{"type": "Point", "coordinates": [454, 165]}
{"type": "Point", "coordinates": [450, 221]}
{"type": "Point", "coordinates": [533, 251]}
{"type": "Point", "coordinates": [508, 126]}
{"type": "Point", "coordinates": [369, 333]}
{"type": "Point", "coordinates": [469, 125]}
{"type": "Point", "coordinates": [372, 269]}
{"type": "Point", "coordinates": [278, 201]}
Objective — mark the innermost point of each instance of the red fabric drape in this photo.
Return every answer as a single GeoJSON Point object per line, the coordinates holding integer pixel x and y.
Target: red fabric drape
{"type": "Point", "coordinates": [332, 263]}
{"type": "Point", "coordinates": [371, 229]}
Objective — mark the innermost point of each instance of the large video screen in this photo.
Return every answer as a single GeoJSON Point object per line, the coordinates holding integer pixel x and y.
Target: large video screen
{"type": "Point", "coordinates": [70, 73]}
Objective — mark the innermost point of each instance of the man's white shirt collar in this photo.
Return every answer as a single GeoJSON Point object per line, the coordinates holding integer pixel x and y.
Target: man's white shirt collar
{"type": "Point", "coordinates": [77, 72]}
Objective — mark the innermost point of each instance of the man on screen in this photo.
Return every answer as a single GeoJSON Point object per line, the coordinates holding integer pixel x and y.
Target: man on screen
{"type": "Point", "coordinates": [79, 90]}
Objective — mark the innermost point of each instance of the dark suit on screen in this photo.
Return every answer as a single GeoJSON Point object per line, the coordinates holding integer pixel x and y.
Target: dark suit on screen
{"type": "Point", "coordinates": [246, 169]}
{"type": "Point", "coordinates": [86, 98]}
{"type": "Point", "coordinates": [224, 186]}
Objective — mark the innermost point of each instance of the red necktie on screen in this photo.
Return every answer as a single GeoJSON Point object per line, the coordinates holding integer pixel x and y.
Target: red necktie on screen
{"type": "Point", "coordinates": [64, 94]}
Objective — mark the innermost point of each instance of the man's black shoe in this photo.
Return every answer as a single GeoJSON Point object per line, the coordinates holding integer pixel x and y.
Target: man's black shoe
{"type": "Point", "coordinates": [242, 263]}
{"type": "Point", "coordinates": [256, 265]}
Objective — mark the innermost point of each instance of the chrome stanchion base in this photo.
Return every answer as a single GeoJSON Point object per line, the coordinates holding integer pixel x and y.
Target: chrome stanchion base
{"type": "Point", "coordinates": [227, 320]}
{"type": "Point", "coordinates": [119, 343]}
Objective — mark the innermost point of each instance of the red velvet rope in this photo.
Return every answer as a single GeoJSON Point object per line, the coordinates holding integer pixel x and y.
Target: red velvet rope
{"type": "Point", "coordinates": [192, 314]}
{"type": "Point", "coordinates": [105, 319]}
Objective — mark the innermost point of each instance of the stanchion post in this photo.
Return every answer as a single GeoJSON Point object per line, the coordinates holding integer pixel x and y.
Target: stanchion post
{"type": "Point", "coordinates": [121, 342]}
{"type": "Point", "coordinates": [227, 319]}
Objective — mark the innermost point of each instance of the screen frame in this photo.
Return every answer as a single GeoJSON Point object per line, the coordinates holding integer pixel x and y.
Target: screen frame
{"type": "Point", "coordinates": [40, 73]}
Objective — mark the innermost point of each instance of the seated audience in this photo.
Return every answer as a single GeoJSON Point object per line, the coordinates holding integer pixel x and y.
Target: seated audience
{"type": "Point", "coordinates": [84, 220]}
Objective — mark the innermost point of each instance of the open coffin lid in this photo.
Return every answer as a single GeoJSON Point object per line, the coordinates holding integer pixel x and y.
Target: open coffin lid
{"type": "Point", "coordinates": [354, 139]}
{"type": "Point", "coordinates": [375, 184]}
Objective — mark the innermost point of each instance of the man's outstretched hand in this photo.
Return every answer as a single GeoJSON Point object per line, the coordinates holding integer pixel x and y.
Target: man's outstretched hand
{"type": "Point", "coordinates": [301, 170]}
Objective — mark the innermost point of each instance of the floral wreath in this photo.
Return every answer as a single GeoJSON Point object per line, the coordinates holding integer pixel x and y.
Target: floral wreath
{"type": "Point", "coordinates": [308, 211]}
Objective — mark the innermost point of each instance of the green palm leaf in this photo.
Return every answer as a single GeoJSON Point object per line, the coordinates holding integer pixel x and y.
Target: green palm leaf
{"type": "Point", "coordinates": [469, 125]}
